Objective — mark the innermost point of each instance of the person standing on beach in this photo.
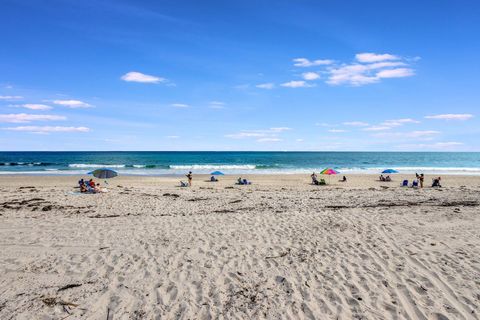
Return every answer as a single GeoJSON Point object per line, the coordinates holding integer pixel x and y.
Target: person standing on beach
{"type": "Point", "coordinates": [190, 178]}
{"type": "Point", "coordinates": [420, 178]}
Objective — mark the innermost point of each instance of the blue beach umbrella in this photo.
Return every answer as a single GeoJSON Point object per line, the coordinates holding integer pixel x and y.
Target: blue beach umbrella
{"type": "Point", "coordinates": [104, 174]}
{"type": "Point", "coordinates": [217, 173]}
{"type": "Point", "coordinates": [389, 171]}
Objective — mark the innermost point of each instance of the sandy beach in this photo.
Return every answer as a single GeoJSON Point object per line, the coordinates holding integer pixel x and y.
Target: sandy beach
{"type": "Point", "coordinates": [277, 249]}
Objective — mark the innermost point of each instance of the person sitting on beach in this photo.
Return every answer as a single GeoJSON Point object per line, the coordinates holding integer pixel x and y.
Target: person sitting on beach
{"type": "Point", "coordinates": [381, 178]}
{"type": "Point", "coordinates": [436, 182]}
{"type": "Point", "coordinates": [239, 180]}
{"type": "Point", "coordinates": [314, 178]}
{"type": "Point", "coordinates": [190, 178]}
{"type": "Point", "coordinates": [344, 179]}
{"type": "Point", "coordinates": [415, 183]}
{"type": "Point", "coordinates": [83, 186]}
{"type": "Point", "coordinates": [388, 179]}
{"type": "Point", "coordinates": [213, 179]}
{"type": "Point", "coordinates": [91, 183]}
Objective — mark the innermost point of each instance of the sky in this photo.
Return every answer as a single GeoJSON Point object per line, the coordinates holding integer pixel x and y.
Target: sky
{"type": "Point", "coordinates": [240, 75]}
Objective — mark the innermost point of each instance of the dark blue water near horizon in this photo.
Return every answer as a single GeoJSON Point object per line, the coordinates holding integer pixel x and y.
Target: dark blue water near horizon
{"type": "Point", "coordinates": [177, 162]}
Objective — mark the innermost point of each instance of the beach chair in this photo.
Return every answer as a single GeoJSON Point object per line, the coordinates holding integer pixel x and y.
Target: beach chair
{"type": "Point", "coordinates": [404, 183]}
{"type": "Point", "coordinates": [415, 184]}
{"type": "Point", "coordinates": [322, 182]}
{"type": "Point", "coordinates": [183, 184]}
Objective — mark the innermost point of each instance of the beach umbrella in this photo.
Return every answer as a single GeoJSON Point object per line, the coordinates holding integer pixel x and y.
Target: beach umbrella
{"type": "Point", "coordinates": [217, 173]}
{"type": "Point", "coordinates": [329, 172]}
{"type": "Point", "coordinates": [104, 174]}
{"type": "Point", "coordinates": [390, 171]}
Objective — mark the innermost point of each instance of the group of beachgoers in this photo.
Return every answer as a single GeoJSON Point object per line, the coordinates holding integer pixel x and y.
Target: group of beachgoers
{"type": "Point", "coordinates": [89, 186]}
{"type": "Point", "coordinates": [322, 182]}
{"type": "Point", "coordinates": [419, 181]}
{"type": "Point", "coordinates": [189, 175]}
{"type": "Point", "coordinates": [384, 179]}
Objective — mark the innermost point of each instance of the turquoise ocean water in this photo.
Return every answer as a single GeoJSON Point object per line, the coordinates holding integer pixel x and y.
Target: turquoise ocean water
{"type": "Point", "coordinates": [172, 163]}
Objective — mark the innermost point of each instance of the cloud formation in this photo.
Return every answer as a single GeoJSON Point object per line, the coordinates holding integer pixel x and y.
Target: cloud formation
{"type": "Point", "coordinates": [269, 140]}
{"type": "Point", "coordinates": [135, 76]}
{"type": "Point", "coordinates": [267, 86]}
{"type": "Point", "coordinates": [398, 122]}
{"type": "Point", "coordinates": [451, 116]}
{"type": "Point", "coordinates": [265, 135]}
{"type": "Point", "coordinates": [356, 124]}
{"type": "Point", "coordinates": [216, 105]}
{"type": "Point", "coordinates": [34, 106]}
{"type": "Point", "coordinates": [377, 128]}
{"type": "Point", "coordinates": [180, 105]}
{"type": "Point", "coordinates": [296, 84]}
{"type": "Point", "coordinates": [304, 62]}
{"type": "Point", "coordinates": [367, 68]}
{"type": "Point", "coordinates": [310, 75]}
{"type": "Point", "coordinates": [369, 57]}
{"type": "Point", "coordinates": [8, 98]}
{"type": "Point", "coordinates": [48, 129]}
{"type": "Point", "coordinates": [25, 118]}
{"type": "Point", "coordinates": [73, 104]}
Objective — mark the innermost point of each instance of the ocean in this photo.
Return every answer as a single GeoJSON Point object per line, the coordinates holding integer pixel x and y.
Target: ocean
{"type": "Point", "coordinates": [174, 163]}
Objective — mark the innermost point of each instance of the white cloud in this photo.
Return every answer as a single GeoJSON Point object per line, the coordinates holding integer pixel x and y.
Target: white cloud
{"type": "Point", "coordinates": [376, 128]}
{"type": "Point", "coordinates": [180, 105]}
{"type": "Point", "coordinates": [398, 122]}
{"type": "Point", "coordinates": [385, 64]}
{"type": "Point", "coordinates": [443, 146]}
{"type": "Point", "coordinates": [271, 133]}
{"type": "Point", "coordinates": [73, 104]}
{"type": "Point", "coordinates": [370, 68]}
{"type": "Point", "coordinates": [356, 124]}
{"type": "Point", "coordinates": [337, 130]}
{"type": "Point", "coordinates": [451, 116]}
{"type": "Point", "coordinates": [373, 57]}
{"type": "Point", "coordinates": [269, 140]}
{"type": "Point", "coordinates": [418, 134]}
{"type": "Point", "coordinates": [354, 74]}
{"type": "Point", "coordinates": [25, 118]}
{"type": "Point", "coordinates": [310, 75]}
{"type": "Point", "coordinates": [11, 98]}
{"type": "Point", "coordinates": [303, 62]}
{"type": "Point", "coordinates": [324, 124]}
{"type": "Point", "coordinates": [395, 73]}
{"type": "Point", "coordinates": [34, 106]}
{"type": "Point", "coordinates": [245, 134]}
{"type": "Point", "coordinates": [280, 129]}
{"type": "Point", "coordinates": [421, 133]}
{"type": "Point", "coordinates": [47, 129]}
{"type": "Point", "coordinates": [134, 76]}
{"type": "Point", "coordinates": [216, 105]}
{"type": "Point", "coordinates": [267, 86]}
{"type": "Point", "coordinates": [299, 140]}
{"type": "Point", "coordinates": [173, 137]}
{"type": "Point", "coordinates": [447, 144]}
{"type": "Point", "coordinates": [296, 84]}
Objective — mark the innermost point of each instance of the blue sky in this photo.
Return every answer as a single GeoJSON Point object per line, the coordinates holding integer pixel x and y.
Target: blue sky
{"type": "Point", "coordinates": [239, 75]}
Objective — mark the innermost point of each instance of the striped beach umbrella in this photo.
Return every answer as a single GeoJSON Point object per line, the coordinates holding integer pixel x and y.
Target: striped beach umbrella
{"type": "Point", "coordinates": [329, 171]}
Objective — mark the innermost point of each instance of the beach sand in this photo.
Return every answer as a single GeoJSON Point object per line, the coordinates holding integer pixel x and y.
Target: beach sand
{"type": "Point", "coordinates": [277, 249]}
